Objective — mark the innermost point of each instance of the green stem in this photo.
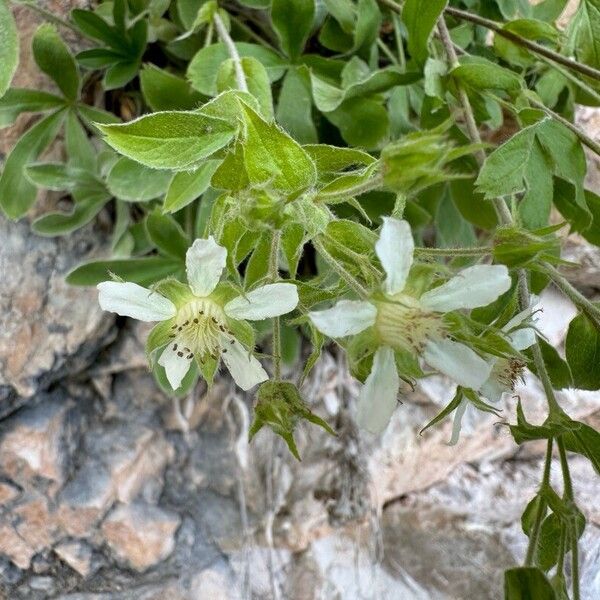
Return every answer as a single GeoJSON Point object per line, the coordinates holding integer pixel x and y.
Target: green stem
{"type": "Point", "coordinates": [251, 33]}
{"type": "Point", "coordinates": [340, 269]}
{"type": "Point", "coordinates": [383, 47]}
{"type": "Point", "coordinates": [361, 188]}
{"type": "Point", "coordinates": [274, 276]}
{"type": "Point", "coordinates": [524, 43]}
{"type": "Point", "coordinates": [589, 309]}
{"type": "Point", "coordinates": [399, 43]}
{"type": "Point", "coordinates": [585, 139]}
{"type": "Point", "coordinates": [240, 78]}
{"type": "Point", "coordinates": [568, 493]}
{"type": "Point", "coordinates": [575, 80]}
{"type": "Point", "coordinates": [541, 508]}
{"type": "Point", "coordinates": [477, 251]}
{"type": "Point", "coordinates": [209, 34]}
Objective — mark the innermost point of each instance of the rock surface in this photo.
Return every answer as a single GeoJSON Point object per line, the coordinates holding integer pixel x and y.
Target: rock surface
{"type": "Point", "coordinates": [109, 490]}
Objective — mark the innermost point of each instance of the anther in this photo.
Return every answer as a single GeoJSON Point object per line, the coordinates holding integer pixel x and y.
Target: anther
{"type": "Point", "coordinates": [196, 321]}
{"type": "Point", "coordinates": [174, 346]}
{"type": "Point", "coordinates": [180, 354]}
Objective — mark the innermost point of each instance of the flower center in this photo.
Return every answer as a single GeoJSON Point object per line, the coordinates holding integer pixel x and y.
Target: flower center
{"type": "Point", "coordinates": [508, 372]}
{"type": "Point", "coordinates": [404, 325]}
{"type": "Point", "coordinates": [199, 329]}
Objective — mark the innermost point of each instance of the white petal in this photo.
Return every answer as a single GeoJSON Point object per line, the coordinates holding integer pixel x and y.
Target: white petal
{"type": "Point", "coordinates": [175, 366]}
{"type": "Point", "coordinates": [243, 366]}
{"type": "Point", "coordinates": [347, 317]}
{"type": "Point", "coordinates": [492, 389]}
{"type": "Point", "coordinates": [458, 362]}
{"type": "Point", "coordinates": [521, 338]}
{"type": "Point", "coordinates": [378, 397]}
{"type": "Point", "coordinates": [204, 263]}
{"type": "Point", "coordinates": [264, 302]}
{"type": "Point", "coordinates": [394, 249]}
{"type": "Point", "coordinates": [457, 423]}
{"type": "Point", "coordinates": [475, 286]}
{"type": "Point", "coordinates": [133, 300]}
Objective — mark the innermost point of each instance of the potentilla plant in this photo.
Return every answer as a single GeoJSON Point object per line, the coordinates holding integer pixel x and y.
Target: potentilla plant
{"type": "Point", "coordinates": [328, 175]}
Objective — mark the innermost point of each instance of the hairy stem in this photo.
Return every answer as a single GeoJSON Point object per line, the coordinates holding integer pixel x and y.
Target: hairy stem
{"type": "Point", "coordinates": [51, 17]}
{"type": "Point", "coordinates": [568, 493]}
{"type": "Point", "coordinates": [361, 188]}
{"type": "Point", "coordinates": [274, 275]}
{"type": "Point", "coordinates": [240, 78]}
{"type": "Point", "coordinates": [477, 251]}
{"type": "Point", "coordinates": [524, 43]}
{"type": "Point", "coordinates": [339, 269]}
{"type": "Point", "coordinates": [541, 508]}
{"type": "Point", "coordinates": [589, 309]}
{"type": "Point", "coordinates": [585, 139]}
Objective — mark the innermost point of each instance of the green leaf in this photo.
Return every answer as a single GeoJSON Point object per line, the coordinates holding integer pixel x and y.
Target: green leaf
{"type": "Point", "coordinates": [170, 140]}
{"type": "Point", "coordinates": [328, 97]}
{"type": "Point", "coordinates": [54, 58]}
{"type": "Point", "coordinates": [9, 46]}
{"type": "Point", "coordinates": [292, 22]}
{"type": "Point", "coordinates": [17, 193]}
{"type": "Point", "coordinates": [558, 369]}
{"type": "Point", "coordinates": [256, 78]}
{"type": "Point", "coordinates": [481, 74]}
{"type": "Point", "coordinates": [446, 411]}
{"type": "Point", "coordinates": [79, 148]}
{"type": "Point", "coordinates": [59, 177]}
{"type": "Point", "coordinates": [62, 223]}
{"type": "Point", "coordinates": [186, 186]}
{"type": "Point", "coordinates": [166, 234]}
{"type": "Point", "coordinates": [548, 542]}
{"type": "Point", "coordinates": [129, 180]}
{"type": "Point", "coordinates": [204, 67]}
{"type": "Point", "coordinates": [420, 18]}
{"type": "Point", "coordinates": [163, 90]}
{"type": "Point", "coordinates": [585, 32]}
{"type": "Point", "coordinates": [271, 156]}
{"type": "Point", "coordinates": [20, 100]}
{"type": "Point", "coordinates": [530, 29]}
{"type": "Point", "coordinates": [94, 26]}
{"type": "Point", "coordinates": [527, 583]}
{"type": "Point", "coordinates": [368, 24]}
{"type": "Point", "coordinates": [143, 271]}
{"type": "Point", "coordinates": [294, 108]}
{"type": "Point", "coordinates": [582, 348]}
{"type": "Point", "coordinates": [362, 122]}
{"type": "Point", "coordinates": [120, 74]}
{"type": "Point", "coordinates": [585, 441]}
{"type": "Point", "coordinates": [332, 159]}
{"type": "Point", "coordinates": [280, 407]}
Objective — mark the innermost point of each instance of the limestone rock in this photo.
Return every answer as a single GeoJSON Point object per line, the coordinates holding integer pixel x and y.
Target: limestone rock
{"type": "Point", "coordinates": [77, 554]}
{"type": "Point", "coordinates": [141, 534]}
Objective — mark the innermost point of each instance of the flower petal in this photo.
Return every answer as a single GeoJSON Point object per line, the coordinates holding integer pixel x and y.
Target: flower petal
{"type": "Point", "coordinates": [204, 263]}
{"type": "Point", "coordinates": [347, 317]}
{"type": "Point", "coordinates": [457, 423]}
{"type": "Point", "coordinates": [458, 362]}
{"type": "Point", "coordinates": [394, 249]}
{"type": "Point", "coordinates": [132, 300]}
{"type": "Point", "coordinates": [378, 397]}
{"type": "Point", "coordinates": [243, 366]}
{"type": "Point", "coordinates": [475, 286]}
{"type": "Point", "coordinates": [493, 389]}
{"type": "Point", "coordinates": [175, 366]}
{"type": "Point", "coordinates": [264, 302]}
{"type": "Point", "coordinates": [523, 338]}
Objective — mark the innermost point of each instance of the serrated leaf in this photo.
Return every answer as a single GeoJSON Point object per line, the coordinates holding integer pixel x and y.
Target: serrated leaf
{"type": "Point", "coordinates": [169, 140]}
{"type": "Point", "coordinates": [272, 157]}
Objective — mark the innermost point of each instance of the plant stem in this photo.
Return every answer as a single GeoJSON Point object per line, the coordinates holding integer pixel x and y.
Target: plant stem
{"type": "Point", "coordinates": [251, 33]}
{"type": "Point", "coordinates": [399, 43]}
{"type": "Point", "coordinates": [520, 41]}
{"type": "Point", "coordinates": [339, 269]}
{"type": "Point", "coordinates": [539, 515]}
{"type": "Point", "coordinates": [240, 78]}
{"type": "Point", "coordinates": [573, 538]}
{"type": "Point", "coordinates": [274, 275]}
{"type": "Point", "coordinates": [361, 188]}
{"type": "Point", "coordinates": [477, 251]}
{"type": "Point", "coordinates": [568, 75]}
{"type": "Point", "coordinates": [589, 309]}
{"type": "Point", "coordinates": [585, 139]}
{"type": "Point", "coordinates": [383, 47]}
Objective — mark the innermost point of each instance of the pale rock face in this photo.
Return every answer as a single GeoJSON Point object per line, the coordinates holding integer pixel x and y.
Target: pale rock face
{"type": "Point", "coordinates": [77, 554]}
{"type": "Point", "coordinates": [141, 534]}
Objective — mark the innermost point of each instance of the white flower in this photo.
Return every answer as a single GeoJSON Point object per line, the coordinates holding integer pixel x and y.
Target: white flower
{"type": "Point", "coordinates": [504, 371]}
{"type": "Point", "coordinates": [200, 326]}
{"type": "Point", "coordinates": [403, 322]}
